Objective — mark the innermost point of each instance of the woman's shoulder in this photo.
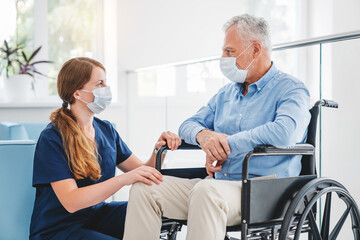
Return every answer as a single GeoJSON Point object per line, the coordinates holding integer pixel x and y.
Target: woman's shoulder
{"type": "Point", "coordinates": [103, 123]}
{"type": "Point", "coordinates": [50, 133]}
{"type": "Point", "coordinates": [104, 126]}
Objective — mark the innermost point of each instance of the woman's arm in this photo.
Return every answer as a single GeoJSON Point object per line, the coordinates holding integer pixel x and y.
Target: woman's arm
{"type": "Point", "coordinates": [172, 140]}
{"type": "Point", "coordinates": [73, 198]}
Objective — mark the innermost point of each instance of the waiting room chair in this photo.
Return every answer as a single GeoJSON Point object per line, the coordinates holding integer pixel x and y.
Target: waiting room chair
{"type": "Point", "coordinates": [16, 192]}
{"type": "Point", "coordinates": [21, 130]}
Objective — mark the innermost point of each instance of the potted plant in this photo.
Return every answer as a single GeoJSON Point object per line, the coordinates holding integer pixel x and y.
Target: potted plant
{"type": "Point", "coordinates": [20, 71]}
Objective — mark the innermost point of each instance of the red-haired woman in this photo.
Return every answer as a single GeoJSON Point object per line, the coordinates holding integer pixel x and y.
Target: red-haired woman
{"type": "Point", "coordinates": [75, 160]}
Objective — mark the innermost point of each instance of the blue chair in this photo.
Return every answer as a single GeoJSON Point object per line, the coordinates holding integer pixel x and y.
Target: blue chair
{"type": "Point", "coordinates": [21, 130]}
{"type": "Point", "coordinates": [16, 192]}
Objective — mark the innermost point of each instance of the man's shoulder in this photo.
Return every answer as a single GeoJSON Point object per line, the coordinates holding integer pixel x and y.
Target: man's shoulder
{"type": "Point", "coordinates": [288, 80]}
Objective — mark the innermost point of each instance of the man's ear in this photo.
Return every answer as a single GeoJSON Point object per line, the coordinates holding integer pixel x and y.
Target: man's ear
{"type": "Point", "coordinates": [257, 49]}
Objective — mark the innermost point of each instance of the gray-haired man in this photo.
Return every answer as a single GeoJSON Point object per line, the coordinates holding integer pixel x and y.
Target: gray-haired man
{"type": "Point", "coordinates": [262, 106]}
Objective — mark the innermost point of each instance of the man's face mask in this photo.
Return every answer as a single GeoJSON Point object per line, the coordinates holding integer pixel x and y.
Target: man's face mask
{"type": "Point", "coordinates": [231, 71]}
{"type": "Point", "coordinates": [102, 99]}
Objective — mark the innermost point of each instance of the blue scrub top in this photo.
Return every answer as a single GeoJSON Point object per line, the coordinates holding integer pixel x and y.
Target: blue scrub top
{"type": "Point", "coordinates": [50, 165]}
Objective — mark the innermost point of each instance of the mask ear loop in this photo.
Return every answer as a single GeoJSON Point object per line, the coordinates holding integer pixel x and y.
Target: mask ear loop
{"type": "Point", "coordinates": [244, 50]}
{"type": "Point", "coordinates": [84, 91]}
{"type": "Point", "coordinates": [250, 64]}
{"type": "Point", "coordinates": [83, 101]}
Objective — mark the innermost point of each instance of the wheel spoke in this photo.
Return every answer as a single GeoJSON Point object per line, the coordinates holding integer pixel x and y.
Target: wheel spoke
{"type": "Point", "coordinates": [326, 218]}
{"type": "Point", "coordinates": [339, 225]}
{"type": "Point", "coordinates": [313, 226]}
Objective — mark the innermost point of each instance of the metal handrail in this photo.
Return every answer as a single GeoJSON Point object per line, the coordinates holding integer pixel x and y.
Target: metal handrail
{"type": "Point", "coordinates": [276, 47]}
{"type": "Point", "coordinates": [319, 40]}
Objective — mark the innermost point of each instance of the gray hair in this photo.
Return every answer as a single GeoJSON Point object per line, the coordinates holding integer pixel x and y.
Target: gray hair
{"type": "Point", "coordinates": [251, 28]}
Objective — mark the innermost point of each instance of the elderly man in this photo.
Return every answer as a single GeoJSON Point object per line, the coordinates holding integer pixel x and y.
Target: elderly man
{"type": "Point", "coordinates": [262, 105]}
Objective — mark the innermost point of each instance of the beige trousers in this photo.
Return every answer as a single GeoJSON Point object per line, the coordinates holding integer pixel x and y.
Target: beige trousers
{"type": "Point", "coordinates": [209, 205]}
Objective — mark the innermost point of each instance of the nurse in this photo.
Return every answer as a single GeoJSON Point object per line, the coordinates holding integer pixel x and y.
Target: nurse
{"type": "Point", "coordinates": [75, 160]}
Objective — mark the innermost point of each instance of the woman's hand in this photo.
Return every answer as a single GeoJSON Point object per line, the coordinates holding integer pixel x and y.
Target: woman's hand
{"type": "Point", "coordinates": [173, 141]}
{"type": "Point", "coordinates": [144, 174]}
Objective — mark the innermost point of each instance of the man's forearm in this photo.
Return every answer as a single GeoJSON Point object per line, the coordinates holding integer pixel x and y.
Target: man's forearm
{"type": "Point", "coordinates": [188, 131]}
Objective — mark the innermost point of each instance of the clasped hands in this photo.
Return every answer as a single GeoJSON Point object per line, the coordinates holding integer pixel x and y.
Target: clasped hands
{"type": "Point", "coordinates": [216, 147]}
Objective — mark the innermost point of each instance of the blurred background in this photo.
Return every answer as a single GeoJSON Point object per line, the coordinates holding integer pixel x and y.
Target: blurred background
{"type": "Point", "coordinates": [161, 63]}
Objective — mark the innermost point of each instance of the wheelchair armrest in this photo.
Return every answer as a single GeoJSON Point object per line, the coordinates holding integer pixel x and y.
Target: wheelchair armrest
{"type": "Point", "coordinates": [300, 148]}
{"type": "Point", "coordinates": [198, 172]}
{"type": "Point", "coordinates": [265, 150]}
{"type": "Point", "coordinates": [183, 146]}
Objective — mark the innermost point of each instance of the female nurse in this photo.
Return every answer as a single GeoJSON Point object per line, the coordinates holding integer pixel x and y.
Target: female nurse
{"type": "Point", "coordinates": [75, 160]}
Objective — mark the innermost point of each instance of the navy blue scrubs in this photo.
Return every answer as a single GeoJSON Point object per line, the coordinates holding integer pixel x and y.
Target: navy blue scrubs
{"type": "Point", "coordinates": [50, 220]}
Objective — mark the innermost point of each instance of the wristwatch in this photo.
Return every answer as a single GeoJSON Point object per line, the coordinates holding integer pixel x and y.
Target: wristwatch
{"type": "Point", "coordinates": [156, 151]}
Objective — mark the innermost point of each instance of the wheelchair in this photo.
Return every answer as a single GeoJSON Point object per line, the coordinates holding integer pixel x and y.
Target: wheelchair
{"type": "Point", "coordinates": [291, 207]}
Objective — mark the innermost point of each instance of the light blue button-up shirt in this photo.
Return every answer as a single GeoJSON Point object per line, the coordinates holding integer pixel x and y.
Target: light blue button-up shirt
{"type": "Point", "coordinates": [275, 111]}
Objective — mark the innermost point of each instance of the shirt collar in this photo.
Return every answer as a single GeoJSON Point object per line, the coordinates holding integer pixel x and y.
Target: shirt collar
{"type": "Point", "coordinates": [263, 80]}
{"type": "Point", "coordinates": [266, 78]}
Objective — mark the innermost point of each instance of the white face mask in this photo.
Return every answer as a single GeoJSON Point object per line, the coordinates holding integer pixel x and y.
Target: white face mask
{"type": "Point", "coordinates": [102, 99]}
{"type": "Point", "coordinates": [231, 71]}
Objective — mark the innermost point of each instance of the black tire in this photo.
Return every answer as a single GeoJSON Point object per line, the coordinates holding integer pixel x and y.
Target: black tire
{"type": "Point", "coordinates": [301, 214]}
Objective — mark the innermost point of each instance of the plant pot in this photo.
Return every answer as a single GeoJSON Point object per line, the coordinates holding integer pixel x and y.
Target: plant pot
{"type": "Point", "coordinates": [18, 88]}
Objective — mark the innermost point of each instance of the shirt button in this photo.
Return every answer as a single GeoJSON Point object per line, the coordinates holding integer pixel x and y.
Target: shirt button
{"type": "Point", "coordinates": [259, 89]}
{"type": "Point", "coordinates": [225, 174]}
{"type": "Point", "coordinates": [240, 115]}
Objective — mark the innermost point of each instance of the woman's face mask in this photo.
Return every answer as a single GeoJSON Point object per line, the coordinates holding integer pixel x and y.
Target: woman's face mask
{"type": "Point", "coordinates": [231, 71]}
{"type": "Point", "coordinates": [102, 99]}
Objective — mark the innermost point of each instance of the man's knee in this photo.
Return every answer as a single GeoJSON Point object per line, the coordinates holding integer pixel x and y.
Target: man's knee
{"type": "Point", "coordinates": [139, 189]}
{"type": "Point", "coordinates": [205, 197]}
{"type": "Point", "coordinates": [203, 190]}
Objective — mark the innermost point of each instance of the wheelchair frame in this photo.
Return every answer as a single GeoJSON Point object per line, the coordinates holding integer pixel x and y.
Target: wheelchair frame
{"type": "Point", "coordinates": [290, 208]}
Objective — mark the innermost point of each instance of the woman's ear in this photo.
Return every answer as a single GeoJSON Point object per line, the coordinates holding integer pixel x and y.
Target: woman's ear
{"type": "Point", "coordinates": [76, 94]}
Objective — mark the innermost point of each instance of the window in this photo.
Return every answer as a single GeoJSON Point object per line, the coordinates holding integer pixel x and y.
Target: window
{"type": "Point", "coordinates": [159, 82]}
{"type": "Point", "coordinates": [65, 29]}
{"type": "Point", "coordinates": [199, 75]}
{"type": "Point", "coordinates": [72, 32]}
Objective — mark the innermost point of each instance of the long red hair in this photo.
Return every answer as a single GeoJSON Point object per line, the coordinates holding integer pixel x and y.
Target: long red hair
{"type": "Point", "coordinates": [81, 152]}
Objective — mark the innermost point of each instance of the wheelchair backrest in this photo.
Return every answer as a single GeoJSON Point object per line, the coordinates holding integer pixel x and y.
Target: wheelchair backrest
{"type": "Point", "coordinates": [308, 165]}
{"type": "Point", "coordinates": [308, 162]}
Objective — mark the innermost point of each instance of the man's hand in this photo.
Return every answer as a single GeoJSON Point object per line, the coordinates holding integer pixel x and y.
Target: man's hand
{"type": "Point", "coordinates": [216, 148]}
{"type": "Point", "coordinates": [210, 168]}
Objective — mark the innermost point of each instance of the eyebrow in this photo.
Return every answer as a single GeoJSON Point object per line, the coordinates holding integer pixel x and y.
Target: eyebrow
{"type": "Point", "coordinates": [104, 80]}
{"type": "Point", "coordinates": [228, 48]}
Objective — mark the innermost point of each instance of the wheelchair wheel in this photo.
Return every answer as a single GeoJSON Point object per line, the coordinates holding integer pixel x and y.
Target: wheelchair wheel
{"type": "Point", "coordinates": [301, 214]}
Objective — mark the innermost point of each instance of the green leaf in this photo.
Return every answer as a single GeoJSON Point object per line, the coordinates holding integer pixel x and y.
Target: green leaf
{"type": "Point", "coordinates": [24, 56]}
{"type": "Point", "coordinates": [41, 62]}
{"type": "Point", "coordinates": [34, 53]}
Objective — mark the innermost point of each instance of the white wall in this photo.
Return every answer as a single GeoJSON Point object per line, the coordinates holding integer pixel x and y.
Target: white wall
{"type": "Point", "coordinates": [163, 31]}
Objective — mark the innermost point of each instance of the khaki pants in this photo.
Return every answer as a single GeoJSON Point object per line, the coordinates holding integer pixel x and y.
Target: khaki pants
{"type": "Point", "coordinates": [208, 205]}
